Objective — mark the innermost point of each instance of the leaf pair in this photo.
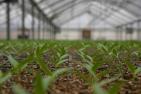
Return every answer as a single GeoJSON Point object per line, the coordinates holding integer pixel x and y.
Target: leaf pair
{"type": "Point", "coordinates": [62, 59]}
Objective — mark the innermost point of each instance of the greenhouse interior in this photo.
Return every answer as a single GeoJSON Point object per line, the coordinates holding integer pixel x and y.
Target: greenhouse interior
{"type": "Point", "coordinates": [69, 19]}
{"type": "Point", "coordinates": [70, 46]}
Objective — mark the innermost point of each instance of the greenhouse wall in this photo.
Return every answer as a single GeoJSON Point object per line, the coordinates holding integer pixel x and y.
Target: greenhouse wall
{"type": "Point", "coordinates": [14, 35]}
{"type": "Point", "coordinates": [98, 34]}
{"type": "Point", "coordinates": [75, 34]}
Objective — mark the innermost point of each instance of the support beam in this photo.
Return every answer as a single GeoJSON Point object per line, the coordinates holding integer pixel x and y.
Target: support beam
{"type": "Point", "coordinates": [33, 23]}
{"type": "Point", "coordinates": [68, 5]}
{"type": "Point", "coordinates": [132, 22]}
{"type": "Point", "coordinates": [73, 17]}
{"type": "Point", "coordinates": [55, 3]}
{"type": "Point", "coordinates": [39, 27]}
{"type": "Point", "coordinates": [116, 18]}
{"type": "Point", "coordinates": [8, 20]}
{"type": "Point", "coordinates": [44, 31]}
{"type": "Point", "coordinates": [134, 4]}
{"type": "Point", "coordinates": [125, 5]}
{"type": "Point", "coordinates": [42, 13]}
{"type": "Point", "coordinates": [138, 30]}
{"type": "Point", "coordinates": [51, 30]}
{"type": "Point", "coordinates": [60, 10]}
{"type": "Point", "coordinates": [23, 18]}
{"type": "Point", "coordinates": [120, 33]}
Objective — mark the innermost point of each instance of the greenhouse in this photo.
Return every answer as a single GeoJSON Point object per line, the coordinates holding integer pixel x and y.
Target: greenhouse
{"type": "Point", "coordinates": [70, 47]}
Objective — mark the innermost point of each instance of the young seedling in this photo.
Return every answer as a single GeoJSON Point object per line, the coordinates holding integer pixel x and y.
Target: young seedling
{"type": "Point", "coordinates": [133, 69]}
{"type": "Point", "coordinates": [92, 67]}
{"type": "Point", "coordinates": [38, 57]}
{"type": "Point", "coordinates": [49, 80]}
{"type": "Point", "coordinates": [62, 59]}
{"type": "Point", "coordinates": [42, 84]}
{"type": "Point", "coordinates": [17, 68]}
{"type": "Point", "coordinates": [62, 56]}
{"type": "Point", "coordinates": [89, 63]}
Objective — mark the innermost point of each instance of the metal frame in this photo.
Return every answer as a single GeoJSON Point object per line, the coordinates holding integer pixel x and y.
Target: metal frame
{"type": "Point", "coordinates": [44, 15]}
{"type": "Point", "coordinates": [8, 20]}
{"type": "Point", "coordinates": [23, 17]}
{"type": "Point", "coordinates": [61, 22]}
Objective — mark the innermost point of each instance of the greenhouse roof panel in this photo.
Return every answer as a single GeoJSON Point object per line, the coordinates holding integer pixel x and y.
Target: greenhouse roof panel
{"type": "Point", "coordinates": [114, 12]}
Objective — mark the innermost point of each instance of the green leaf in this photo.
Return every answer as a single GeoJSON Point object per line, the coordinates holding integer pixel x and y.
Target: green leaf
{"type": "Point", "coordinates": [39, 87]}
{"type": "Point", "coordinates": [4, 77]}
{"type": "Point", "coordinates": [89, 68]}
{"type": "Point", "coordinates": [22, 64]}
{"type": "Point", "coordinates": [49, 80]}
{"type": "Point", "coordinates": [41, 63]}
{"type": "Point", "coordinates": [64, 57]}
{"type": "Point", "coordinates": [84, 47]}
{"type": "Point", "coordinates": [44, 48]}
{"type": "Point", "coordinates": [107, 81]}
{"type": "Point", "coordinates": [12, 61]}
{"type": "Point", "coordinates": [138, 70]}
{"type": "Point", "coordinates": [61, 71]}
{"type": "Point", "coordinates": [58, 54]}
{"type": "Point", "coordinates": [98, 89]}
{"type": "Point", "coordinates": [44, 67]}
{"type": "Point", "coordinates": [96, 66]}
{"type": "Point", "coordinates": [103, 47]}
{"type": "Point", "coordinates": [17, 89]}
{"type": "Point", "coordinates": [61, 62]}
{"type": "Point", "coordinates": [131, 67]}
{"type": "Point", "coordinates": [115, 88]}
{"type": "Point", "coordinates": [89, 58]}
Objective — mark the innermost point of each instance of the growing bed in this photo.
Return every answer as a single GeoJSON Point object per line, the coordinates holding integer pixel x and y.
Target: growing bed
{"type": "Point", "coordinates": [70, 67]}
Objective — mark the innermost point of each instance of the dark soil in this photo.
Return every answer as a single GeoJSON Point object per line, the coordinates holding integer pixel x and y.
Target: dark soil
{"type": "Point", "coordinates": [67, 84]}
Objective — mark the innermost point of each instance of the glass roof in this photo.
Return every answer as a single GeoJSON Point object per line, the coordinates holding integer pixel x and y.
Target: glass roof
{"type": "Point", "coordinates": [64, 12]}
{"type": "Point", "coordinates": [112, 12]}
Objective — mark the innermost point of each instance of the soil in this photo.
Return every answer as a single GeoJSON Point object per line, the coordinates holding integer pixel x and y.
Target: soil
{"type": "Point", "coordinates": [66, 84]}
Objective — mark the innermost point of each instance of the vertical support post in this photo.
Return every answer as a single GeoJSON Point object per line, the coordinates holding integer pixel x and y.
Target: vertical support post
{"type": "Point", "coordinates": [33, 23]}
{"type": "Point", "coordinates": [131, 34]}
{"type": "Point", "coordinates": [138, 30]}
{"type": "Point", "coordinates": [49, 32]}
{"type": "Point", "coordinates": [117, 33]}
{"type": "Point", "coordinates": [39, 27]}
{"type": "Point", "coordinates": [125, 32]}
{"type": "Point", "coordinates": [120, 33]}
{"type": "Point", "coordinates": [23, 18]}
{"type": "Point", "coordinates": [51, 29]}
{"type": "Point", "coordinates": [43, 30]}
{"type": "Point", "coordinates": [53, 33]}
{"type": "Point", "coordinates": [8, 20]}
